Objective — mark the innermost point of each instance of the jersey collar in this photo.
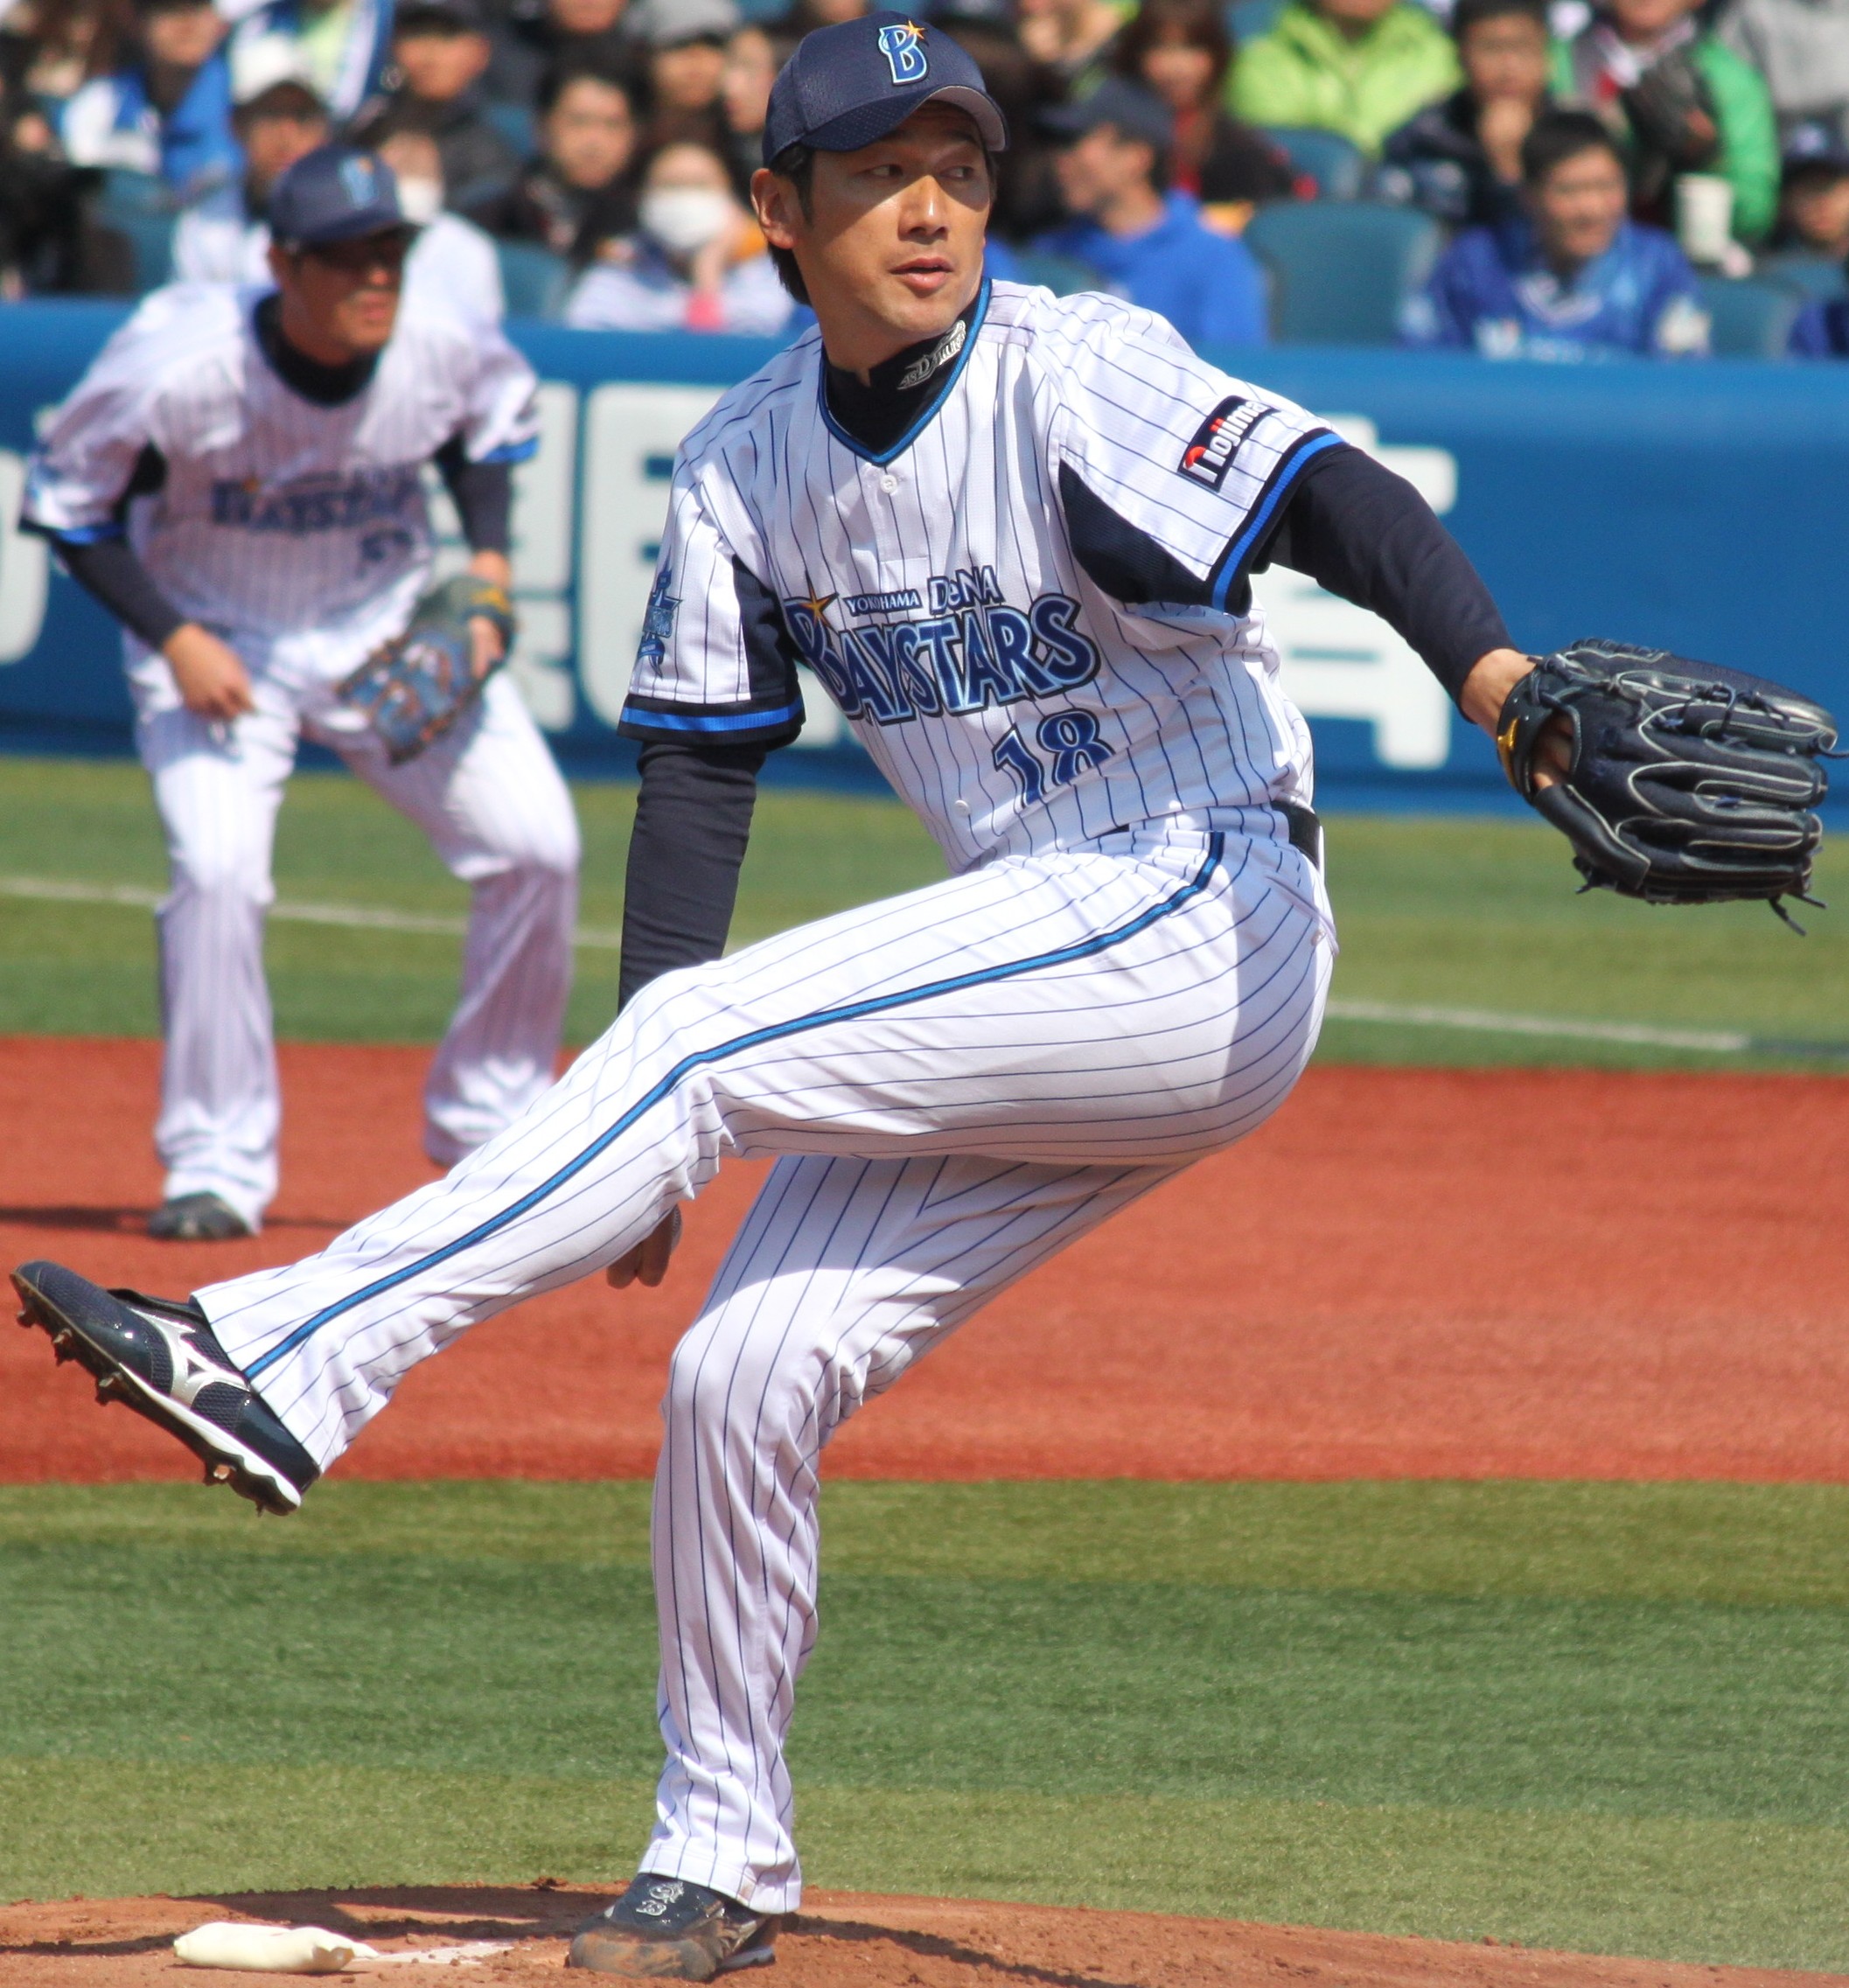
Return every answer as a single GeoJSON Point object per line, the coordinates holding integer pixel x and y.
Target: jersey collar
{"type": "Point", "coordinates": [935, 390]}
{"type": "Point", "coordinates": [325, 386]}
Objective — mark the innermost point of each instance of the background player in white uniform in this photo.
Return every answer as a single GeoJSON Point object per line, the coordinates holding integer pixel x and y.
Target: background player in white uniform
{"type": "Point", "coordinates": [1012, 536]}
{"type": "Point", "coordinates": [239, 478]}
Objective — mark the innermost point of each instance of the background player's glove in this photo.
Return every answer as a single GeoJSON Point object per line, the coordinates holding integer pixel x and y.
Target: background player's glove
{"type": "Point", "coordinates": [1687, 783]}
{"type": "Point", "coordinates": [414, 689]}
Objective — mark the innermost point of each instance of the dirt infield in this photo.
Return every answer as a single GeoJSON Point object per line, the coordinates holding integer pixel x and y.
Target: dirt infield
{"type": "Point", "coordinates": [841, 1940]}
{"type": "Point", "coordinates": [1428, 1274]}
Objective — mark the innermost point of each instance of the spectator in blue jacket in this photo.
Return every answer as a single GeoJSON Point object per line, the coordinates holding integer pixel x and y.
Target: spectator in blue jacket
{"type": "Point", "coordinates": [1822, 330]}
{"type": "Point", "coordinates": [167, 111]}
{"type": "Point", "coordinates": [1570, 277]}
{"type": "Point", "coordinates": [1146, 244]}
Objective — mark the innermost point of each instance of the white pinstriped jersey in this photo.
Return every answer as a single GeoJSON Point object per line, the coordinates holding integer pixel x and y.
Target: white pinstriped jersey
{"type": "Point", "coordinates": [298, 531]}
{"type": "Point", "coordinates": [1034, 609]}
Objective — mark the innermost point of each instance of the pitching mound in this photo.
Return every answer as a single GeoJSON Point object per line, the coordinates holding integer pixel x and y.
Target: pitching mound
{"type": "Point", "coordinates": [842, 1940]}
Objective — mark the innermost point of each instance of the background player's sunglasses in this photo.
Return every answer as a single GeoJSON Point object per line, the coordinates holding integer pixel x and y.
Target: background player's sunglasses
{"type": "Point", "coordinates": [387, 249]}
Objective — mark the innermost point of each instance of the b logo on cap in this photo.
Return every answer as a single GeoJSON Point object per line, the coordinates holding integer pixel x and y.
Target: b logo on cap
{"type": "Point", "coordinates": [903, 48]}
{"type": "Point", "coordinates": [358, 181]}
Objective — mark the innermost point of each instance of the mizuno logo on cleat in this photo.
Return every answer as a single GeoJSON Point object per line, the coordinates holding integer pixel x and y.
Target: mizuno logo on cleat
{"type": "Point", "coordinates": [192, 1372]}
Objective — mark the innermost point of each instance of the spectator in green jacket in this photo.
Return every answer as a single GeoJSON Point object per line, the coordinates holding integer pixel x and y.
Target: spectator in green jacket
{"type": "Point", "coordinates": [1361, 67]}
{"type": "Point", "coordinates": [1678, 102]}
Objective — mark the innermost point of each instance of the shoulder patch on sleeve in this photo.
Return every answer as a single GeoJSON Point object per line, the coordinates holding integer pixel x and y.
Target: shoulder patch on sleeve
{"type": "Point", "coordinates": [658, 620]}
{"type": "Point", "coordinates": [1216, 441]}
{"type": "Point", "coordinates": [770, 714]}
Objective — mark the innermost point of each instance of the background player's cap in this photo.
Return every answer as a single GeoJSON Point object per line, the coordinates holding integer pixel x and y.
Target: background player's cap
{"type": "Point", "coordinates": [334, 193]}
{"type": "Point", "coordinates": [1130, 110]}
{"type": "Point", "coordinates": [850, 84]}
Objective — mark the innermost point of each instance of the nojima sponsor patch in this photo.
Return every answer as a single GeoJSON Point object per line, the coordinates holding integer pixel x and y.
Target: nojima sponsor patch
{"type": "Point", "coordinates": [1209, 455]}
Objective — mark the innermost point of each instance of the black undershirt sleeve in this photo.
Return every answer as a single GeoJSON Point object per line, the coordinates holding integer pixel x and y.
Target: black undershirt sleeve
{"type": "Point", "coordinates": [693, 819]}
{"type": "Point", "coordinates": [109, 571]}
{"type": "Point", "coordinates": [483, 493]}
{"type": "Point", "coordinates": [1361, 532]}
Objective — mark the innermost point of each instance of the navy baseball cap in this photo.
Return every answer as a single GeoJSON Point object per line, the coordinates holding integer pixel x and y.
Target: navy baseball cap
{"type": "Point", "coordinates": [446, 16]}
{"type": "Point", "coordinates": [334, 193]}
{"type": "Point", "coordinates": [1132, 111]}
{"type": "Point", "coordinates": [1815, 146]}
{"type": "Point", "coordinates": [849, 85]}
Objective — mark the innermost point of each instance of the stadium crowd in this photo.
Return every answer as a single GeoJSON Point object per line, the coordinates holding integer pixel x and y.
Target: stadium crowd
{"type": "Point", "coordinates": [1555, 179]}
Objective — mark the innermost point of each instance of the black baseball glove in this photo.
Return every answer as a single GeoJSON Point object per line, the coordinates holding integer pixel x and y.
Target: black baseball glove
{"type": "Point", "coordinates": [414, 689]}
{"type": "Point", "coordinates": [1686, 783]}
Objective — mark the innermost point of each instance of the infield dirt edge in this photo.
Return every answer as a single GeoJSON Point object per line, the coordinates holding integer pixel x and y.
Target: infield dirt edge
{"type": "Point", "coordinates": [840, 1940]}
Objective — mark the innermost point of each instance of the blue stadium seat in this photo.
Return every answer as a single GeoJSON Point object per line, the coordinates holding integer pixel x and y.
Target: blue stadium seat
{"type": "Point", "coordinates": [135, 192]}
{"type": "Point", "coordinates": [1341, 271]}
{"type": "Point", "coordinates": [1751, 319]}
{"type": "Point", "coordinates": [515, 124]}
{"type": "Point", "coordinates": [141, 207]}
{"type": "Point", "coordinates": [1063, 275]}
{"type": "Point", "coordinates": [1336, 166]}
{"type": "Point", "coordinates": [534, 279]}
{"type": "Point", "coordinates": [1815, 275]}
{"type": "Point", "coordinates": [1247, 19]}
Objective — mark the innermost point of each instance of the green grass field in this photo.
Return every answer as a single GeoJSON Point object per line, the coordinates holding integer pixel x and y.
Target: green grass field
{"type": "Point", "coordinates": [1612, 1717]}
{"type": "Point", "coordinates": [1608, 1716]}
{"type": "Point", "coordinates": [1456, 912]}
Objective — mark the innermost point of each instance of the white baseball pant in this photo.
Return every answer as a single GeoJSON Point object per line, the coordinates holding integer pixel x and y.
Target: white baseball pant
{"type": "Point", "coordinates": [490, 799]}
{"type": "Point", "coordinates": [957, 1084]}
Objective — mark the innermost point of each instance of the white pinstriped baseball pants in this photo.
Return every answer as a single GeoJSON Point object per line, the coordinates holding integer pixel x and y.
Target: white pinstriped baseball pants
{"type": "Point", "coordinates": [957, 1084]}
{"type": "Point", "coordinates": [492, 801]}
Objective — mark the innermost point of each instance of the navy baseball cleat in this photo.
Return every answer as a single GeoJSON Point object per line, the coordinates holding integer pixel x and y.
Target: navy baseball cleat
{"type": "Point", "coordinates": [669, 1929]}
{"type": "Point", "coordinates": [161, 1359]}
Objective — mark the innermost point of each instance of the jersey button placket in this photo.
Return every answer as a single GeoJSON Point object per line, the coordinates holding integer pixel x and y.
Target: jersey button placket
{"type": "Point", "coordinates": [878, 487]}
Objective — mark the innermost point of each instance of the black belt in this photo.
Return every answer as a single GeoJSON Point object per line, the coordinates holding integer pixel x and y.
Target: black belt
{"type": "Point", "coordinates": [1304, 829]}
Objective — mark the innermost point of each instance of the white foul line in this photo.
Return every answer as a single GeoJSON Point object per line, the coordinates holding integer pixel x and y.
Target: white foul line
{"type": "Point", "coordinates": [1644, 1034]}
{"type": "Point", "coordinates": [1481, 1021]}
{"type": "Point", "coordinates": [1716, 1042]}
{"type": "Point", "coordinates": [57, 891]}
